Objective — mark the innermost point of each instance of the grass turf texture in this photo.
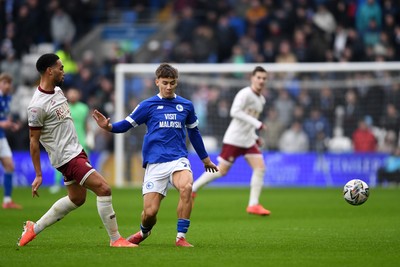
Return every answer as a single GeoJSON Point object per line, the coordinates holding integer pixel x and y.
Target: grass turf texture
{"type": "Point", "coordinates": [308, 227]}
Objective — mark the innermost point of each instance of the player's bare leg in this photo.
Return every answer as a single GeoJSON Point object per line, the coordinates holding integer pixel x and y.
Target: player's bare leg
{"type": "Point", "coordinates": [183, 181]}
{"type": "Point", "coordinates": [151, 205]}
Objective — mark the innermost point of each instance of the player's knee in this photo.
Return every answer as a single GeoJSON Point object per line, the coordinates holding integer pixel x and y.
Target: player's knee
{"type": "Point", "coordinates": [103, 189]}
{"type": "Point", "coordinates": [78, 200]}
{"type": "Point", "coordinates": [186, 189]}
{"type": "Point", "coordinates": [9, 167]}
{"type": "Point", "coordinates": [223, 171]}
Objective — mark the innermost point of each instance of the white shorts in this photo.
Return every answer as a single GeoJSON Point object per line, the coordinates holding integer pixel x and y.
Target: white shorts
{"type": "Point", "coordinates": [5, 150]}
{"type": "Point", "coordinates": [158, 176]}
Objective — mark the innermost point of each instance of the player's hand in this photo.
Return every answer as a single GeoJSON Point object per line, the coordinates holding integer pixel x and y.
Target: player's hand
{"type": "Point", "coordinates": [35, 185]}
{"type": "Point", "coordinates": [262, 127]}
{"type": "Point", "coordinates": [15, 126]}
{"type": "Point", "coordinates": [101, 120]}
{"type": "Point", "coordinates": [260, 142]}
{"type": "Point", "coordinates": [209, 165]}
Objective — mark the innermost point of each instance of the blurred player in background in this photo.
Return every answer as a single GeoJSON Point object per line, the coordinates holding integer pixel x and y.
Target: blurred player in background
{"type": "Point", "coordinates": [241, 139]}
{"type": "Point", "coordinates": [6, 123]}
{"type": "Point", "coordinates": [167, 117]}
{"type": "Point", "coordinates": [50, 123]}
{"type": "Point", "coordinates": [79, 114]}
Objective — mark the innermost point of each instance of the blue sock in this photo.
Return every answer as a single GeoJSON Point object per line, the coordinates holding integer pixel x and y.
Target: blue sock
{"type": "Point", "coordinates": [183, 225]}
{"type": "Point", "coordinates": [8, 184]}
{"type": "Point", "coordinates": [145, 230]}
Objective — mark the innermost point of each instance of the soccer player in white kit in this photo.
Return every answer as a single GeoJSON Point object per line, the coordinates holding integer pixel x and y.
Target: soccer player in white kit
{"type": "Point", "coordinates": [167, 117]}
{"type": "Point", "coordinates": [50, 123]}
{"type": "Point", "coordinates": [241, 139]}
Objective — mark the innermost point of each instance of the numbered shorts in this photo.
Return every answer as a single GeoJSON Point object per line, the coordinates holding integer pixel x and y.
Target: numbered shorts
{"type": "Point", "coordinates": [77, 169]}
{"type": "Point", "coordinates": [158, 176]}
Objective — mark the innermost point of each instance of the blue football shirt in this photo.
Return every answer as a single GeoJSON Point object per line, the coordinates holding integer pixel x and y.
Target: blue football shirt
{"type": "Point", "coordinates": [4, 110]}
{"type": "Point", "coordinates": [166, 121]}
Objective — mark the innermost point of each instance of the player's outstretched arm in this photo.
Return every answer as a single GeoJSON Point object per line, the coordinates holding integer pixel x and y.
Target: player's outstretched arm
{"type": "Point", "coordinates": [101, 120]}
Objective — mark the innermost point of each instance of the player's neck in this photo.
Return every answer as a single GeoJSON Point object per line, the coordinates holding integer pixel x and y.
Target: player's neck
{"type": "Point", "coordinates": [46, 86]}
{"type": "Point", "coordinates": [255, 91]}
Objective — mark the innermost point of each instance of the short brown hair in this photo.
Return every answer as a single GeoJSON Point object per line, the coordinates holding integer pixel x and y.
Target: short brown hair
{"type": "Point", "coordinates": [165, 70]}
{"type": "Point", "coordinates": [7, 77]}
{"type": "Point", "coordinates": [258, 69]}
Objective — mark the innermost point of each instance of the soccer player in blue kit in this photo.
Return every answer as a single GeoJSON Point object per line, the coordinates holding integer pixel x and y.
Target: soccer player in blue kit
{"type": "Point", "coordinates": [167, 117]}
{"type": "Point", "coordinates": [6, 123]}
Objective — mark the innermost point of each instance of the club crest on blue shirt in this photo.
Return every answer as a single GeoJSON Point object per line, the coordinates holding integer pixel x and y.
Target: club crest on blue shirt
{"type": "Point", "coordinates": [179, 107]}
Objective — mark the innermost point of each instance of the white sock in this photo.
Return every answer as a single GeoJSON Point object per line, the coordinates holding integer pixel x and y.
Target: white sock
{"type": "Point", "coordinates": [107, 215]}
{"type": "Point", "coordinates": [60, 208]}
{"type": "Point", "coordinates": [204, 179]}
{"type": "Point", "coordinates": [180, 235]}
{"type": "Point", "coordinates": [256, 185]}
{"type": "Point", "coordinates": [7, 199]}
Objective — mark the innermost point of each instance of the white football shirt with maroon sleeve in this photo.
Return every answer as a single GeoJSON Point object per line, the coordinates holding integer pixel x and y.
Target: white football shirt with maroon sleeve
{"type": "Point", "coordinates": [245, 111]}
{"type": "Point", "coordinates": [49, 111]}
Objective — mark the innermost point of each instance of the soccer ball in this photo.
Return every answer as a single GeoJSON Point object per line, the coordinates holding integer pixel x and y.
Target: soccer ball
{"type": "Point", "coordinates": [356, 192]}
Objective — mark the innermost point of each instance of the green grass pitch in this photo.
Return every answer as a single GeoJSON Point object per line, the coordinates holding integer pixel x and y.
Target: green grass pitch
{"type": "Point", "coordinates": [307, 227]}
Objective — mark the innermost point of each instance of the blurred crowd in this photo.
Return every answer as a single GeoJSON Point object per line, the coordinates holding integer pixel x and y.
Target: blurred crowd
{"type": "Point", "coordinates": [363, 117]}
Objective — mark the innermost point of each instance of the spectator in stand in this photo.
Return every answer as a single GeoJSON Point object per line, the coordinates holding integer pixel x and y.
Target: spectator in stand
{"type": "Point", "coordinates": [324, 20]}
{"type": "Point", "coordinates": [339, 41]}
{"type": "Point", "coordinates": [24, 31]}
{"type": "Point", "coordinates": [255, 13]}
{"type": "Point", "coordinates": [326, 103]}
{"type": "Point", "coordinates": [390, 171]}
{"type": "Point", "coordinates": [363, 139]}
{"type": "Point", "coordinates": [371, 33]}
{"type": "Point", "coordinates": [339, 143]}
{"type": "Point", "coordinates": [397, 41]}
{"type": "Point", "coordinates": [285, 106]}
{"type": "Point", "coordinates": [8, 43]}
{"type": "Point", "coordinates": [204, 44]}
{"type": "Point", "coordinates": [352, 113]}
{"type": "Point", "coordinates": [62, 28]}
{"type": "Point", "coordinates": [389, 143]}
{"type": "Point", "coordinates": [390, 121]}
{"type": "Point", "coordinates": [299, 114]}
{"type": "Point", "coordinates": [369, 9]}
{"type": "Point", "coordinates": [186, 25]}
{"type": "Point", "coordinates": [285, 54]}
{"type": "Point", "coordinates": [305, 100]}
{"type": "Point", "coordinates": [342, 13]}
{"type": "Point", "coordinates": [315, 124]}
{"type": "Point", "coordinates": [226, 38]}
{"type": "Point", "coordinates": [85, 80]}
{"type": "Point", "coordinates": [12, 66]}
{"type": "Point", "coordinates": [273, 130]}
{"type": "Point", "coordinates": [268, 51]}
{"type": "Point", "coordinates": [392, 95]}
{"type": "Point", "coordinates": [70, 64]}
{"type": "Point", "coordinates": [300, 47]}
{"type": "Point", "coordinates": [356, 45]}
{"type": "Point", "coordinates": [294, 139]}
